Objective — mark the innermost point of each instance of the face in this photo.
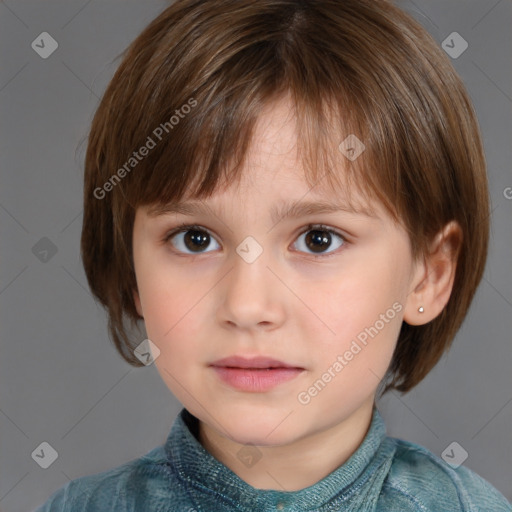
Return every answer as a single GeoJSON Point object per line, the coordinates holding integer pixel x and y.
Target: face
{"type": "Point", "coordinates": [324, 303]}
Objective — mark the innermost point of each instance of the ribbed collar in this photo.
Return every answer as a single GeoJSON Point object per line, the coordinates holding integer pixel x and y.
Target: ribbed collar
{"type": "Point", "coordinates": [355, 485]}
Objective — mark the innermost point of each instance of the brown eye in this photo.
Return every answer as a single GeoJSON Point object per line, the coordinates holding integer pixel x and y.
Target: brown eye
{"type": "Point", "coordinates": [195, 239]}
{"type": "Point", "coordinates": [319, 238]}
{"type": "Point", "coordinates": [190, 238]}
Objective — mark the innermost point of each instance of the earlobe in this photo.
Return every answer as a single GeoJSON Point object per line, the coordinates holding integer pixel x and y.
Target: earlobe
{"type": "Point", "coordinates": [434, 277]}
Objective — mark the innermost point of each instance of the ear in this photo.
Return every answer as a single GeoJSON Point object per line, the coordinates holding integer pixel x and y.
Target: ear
{"type": "Point", "coordinates": [433, 277]}
{"type": "Point", "coordinates": [138, 305]}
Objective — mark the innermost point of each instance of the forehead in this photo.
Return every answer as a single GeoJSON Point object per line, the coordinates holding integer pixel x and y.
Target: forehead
{"type": "Point", "coordinates": [285, 194]}
{"type": "Point", "coordinates": [272, 168]}
{"type": "Point", "coordinates": [274, 150]}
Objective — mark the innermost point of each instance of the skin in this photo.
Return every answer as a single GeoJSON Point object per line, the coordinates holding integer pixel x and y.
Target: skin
{"type": "Point", "coordinates": [199, 307]}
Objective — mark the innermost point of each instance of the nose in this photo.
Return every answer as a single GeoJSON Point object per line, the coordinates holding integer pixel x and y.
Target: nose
{"type": "Point", "coordinates": [252, 295]}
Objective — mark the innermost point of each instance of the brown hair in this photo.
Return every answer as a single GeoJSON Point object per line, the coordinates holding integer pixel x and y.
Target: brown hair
{"type": "Point", "coordinates": [191, 86]}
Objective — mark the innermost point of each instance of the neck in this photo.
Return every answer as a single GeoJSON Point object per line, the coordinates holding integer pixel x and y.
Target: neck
{"type": "Point", "coordinates": [296, 465]}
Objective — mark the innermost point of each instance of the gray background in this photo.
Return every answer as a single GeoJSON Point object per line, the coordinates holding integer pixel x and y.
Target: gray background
{"type": "Point", "coordinates": [62, 381]}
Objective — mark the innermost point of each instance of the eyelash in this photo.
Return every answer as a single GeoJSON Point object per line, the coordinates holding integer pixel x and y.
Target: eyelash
{"type": "Point", "coordinates": [183, 228]}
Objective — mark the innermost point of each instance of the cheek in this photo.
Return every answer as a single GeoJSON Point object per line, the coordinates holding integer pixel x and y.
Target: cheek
{"type": "Point", "coordinates": [348, 367]}
{"type": "Point", "coordinates": [171, 324]}
{"type": "Point", "coordinates": [358, 313]}
{"type": "Point", "coordinates": [170, 316]}
{"type": "Point", "coordinates": [174, 312]}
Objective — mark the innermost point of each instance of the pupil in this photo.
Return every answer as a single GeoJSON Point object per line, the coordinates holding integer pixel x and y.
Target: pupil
{"type": "Point", "coordinates": [318, 237]}
{"type": "Point", "coordinates": [195, 239]}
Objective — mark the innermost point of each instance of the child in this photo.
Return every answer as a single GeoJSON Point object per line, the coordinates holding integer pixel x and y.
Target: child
{"type": "Point", "coordinates": [292, 196]}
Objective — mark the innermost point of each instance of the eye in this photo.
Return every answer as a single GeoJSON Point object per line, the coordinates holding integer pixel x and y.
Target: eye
{"type": "Point", "coordinates": [194, 238]}
{"type": "Point", "coordinates": [319, 237]}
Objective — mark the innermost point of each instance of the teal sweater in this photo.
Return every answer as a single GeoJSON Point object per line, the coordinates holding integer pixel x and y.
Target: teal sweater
{"type": "Point", "coordinates": [384, 474]}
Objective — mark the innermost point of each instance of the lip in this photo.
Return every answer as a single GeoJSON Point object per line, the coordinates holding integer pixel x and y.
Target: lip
{"type": "Point", "coordinates": [252, 362]}
{"type": "Point", "coordinates": [255, 374]}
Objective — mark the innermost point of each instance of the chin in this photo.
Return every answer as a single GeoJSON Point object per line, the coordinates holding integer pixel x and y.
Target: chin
{"type": "Point", "coordinates": [261, 429]}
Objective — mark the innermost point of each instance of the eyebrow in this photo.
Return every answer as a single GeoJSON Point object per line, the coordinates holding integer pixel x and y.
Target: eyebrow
{"type": "Point", "coordinates": [295, 209]}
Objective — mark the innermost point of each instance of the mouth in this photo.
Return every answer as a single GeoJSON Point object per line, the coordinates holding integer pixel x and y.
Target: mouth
{"type": "Point", "coordinates": [257, 374]}
{"type": "Point", "coordinates": [253, 363]}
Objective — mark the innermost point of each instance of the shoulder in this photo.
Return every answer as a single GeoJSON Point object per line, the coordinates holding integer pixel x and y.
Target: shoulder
{"type": "Point", "coordinates": [421, 481]}
{"type": "Point", "coordinates": [122, 488]}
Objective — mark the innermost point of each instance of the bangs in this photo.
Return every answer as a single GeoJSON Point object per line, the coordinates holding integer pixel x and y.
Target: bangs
{"type": "Point", "coordinates": [201, 149]}
{"type": "Point", "coordinates": [322, 165]}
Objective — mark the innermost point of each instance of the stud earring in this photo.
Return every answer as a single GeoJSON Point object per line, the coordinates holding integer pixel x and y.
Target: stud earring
{"type": "Point", "coordinates": [420, 309]}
